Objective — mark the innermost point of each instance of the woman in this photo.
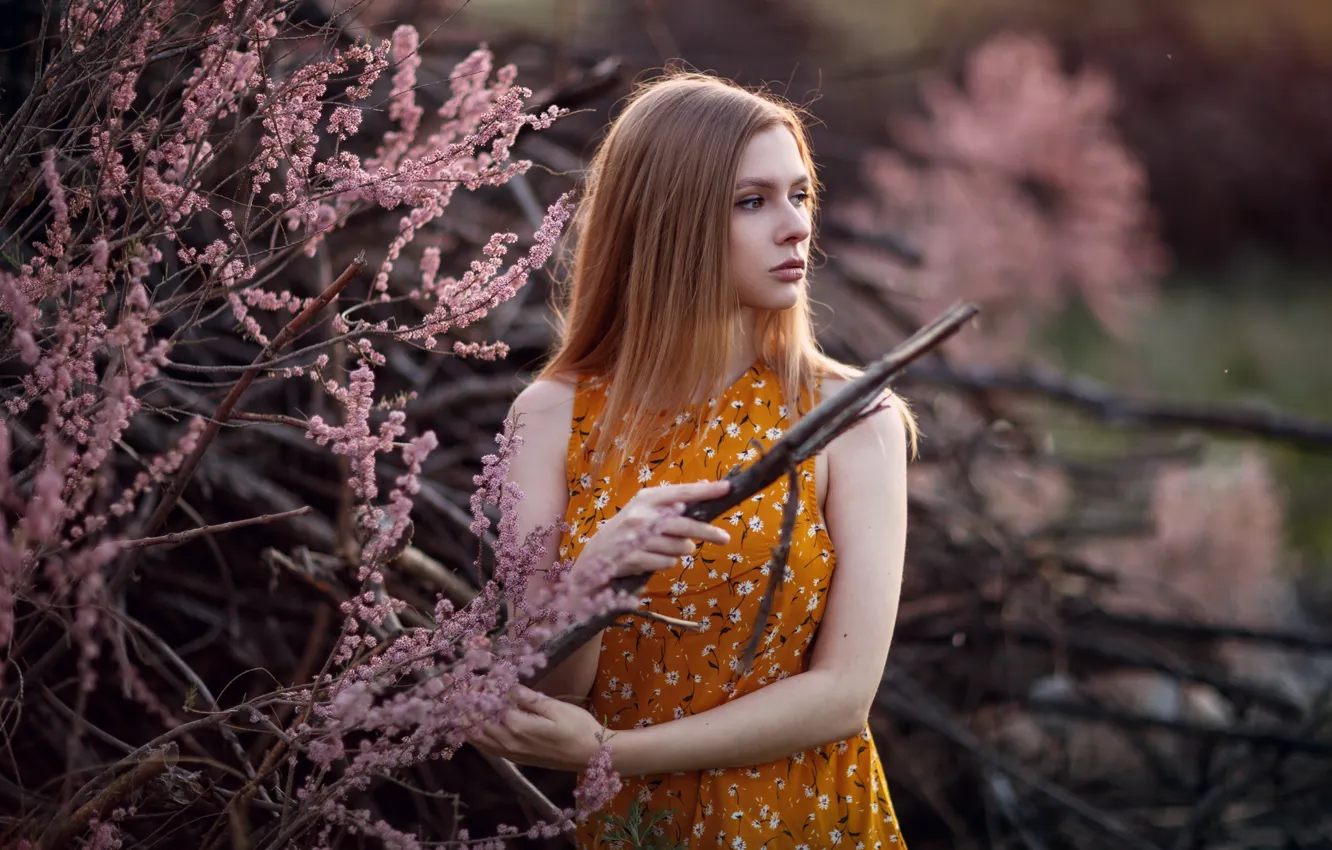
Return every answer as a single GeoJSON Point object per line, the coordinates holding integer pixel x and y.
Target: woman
{"type": "Point", "coordinates": [687, 349]}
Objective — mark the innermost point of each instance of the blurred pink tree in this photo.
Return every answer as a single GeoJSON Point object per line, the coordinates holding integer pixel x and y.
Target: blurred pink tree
{"type": "Point", "coordinates": [1217, 553]}
{"type": "Point", "coordinates": [1019, 194]}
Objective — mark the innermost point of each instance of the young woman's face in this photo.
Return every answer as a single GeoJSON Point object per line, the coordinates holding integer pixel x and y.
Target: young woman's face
{"type": "Point", "coordinates": [770, 222]}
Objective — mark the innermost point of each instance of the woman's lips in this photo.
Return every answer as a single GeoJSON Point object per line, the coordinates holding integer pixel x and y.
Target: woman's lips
{"type": "Point", "coordinates": [791, 271]}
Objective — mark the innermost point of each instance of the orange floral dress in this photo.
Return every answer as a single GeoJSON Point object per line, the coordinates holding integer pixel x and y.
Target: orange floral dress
{"type": "Point", "coordinates": [829, 796]}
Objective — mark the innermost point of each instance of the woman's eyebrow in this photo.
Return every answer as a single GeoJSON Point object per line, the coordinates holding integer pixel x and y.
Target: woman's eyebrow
{"type": "Point", "coordinates": [765, 183]}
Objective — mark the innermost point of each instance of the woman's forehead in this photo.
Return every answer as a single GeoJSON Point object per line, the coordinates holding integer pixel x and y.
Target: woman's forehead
{"type": "Point", "coordinates": [771, 158]}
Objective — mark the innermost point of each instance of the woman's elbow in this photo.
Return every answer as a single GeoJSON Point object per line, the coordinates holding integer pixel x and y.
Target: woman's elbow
{"type": "Point", "coordinates": [848, 696]}
{"type": "Point", "coordinates": [855, 712]}
{"type": "Point", "coordinates": [855, 722]}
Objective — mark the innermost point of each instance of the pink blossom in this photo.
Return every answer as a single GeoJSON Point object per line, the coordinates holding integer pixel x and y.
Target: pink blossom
{"type": "Point", "coordinates": [985, 235]}
{"type": "Point", "coordinates": [461, 302]}
{"type": "Point", "coordinates": [83, 19]}
{"type": "Point", "coordinates": [58, 234]}
{"type": "Point", "coordinates": [597, 785]}
{"type": "Point", "coordinates": [87, 316]}
{"type": "Point", "coordinates": [402, 100]}
{"type": "Point", "coordinates": [471, 673]}
{"type": "Point", "coordinates": [391, 523]}
{"type": "Point", "coordinates": [24, 316]}
{"type": "Point", "coordinates": [355, 439]}
{"type": "Point", "coordinates": [103, 836]}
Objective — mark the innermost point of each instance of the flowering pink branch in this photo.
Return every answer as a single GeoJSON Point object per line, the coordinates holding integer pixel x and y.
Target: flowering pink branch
{"type": "Point", "coordinates": [174, 490]}
{"type": "Point", "coordinates": [123, 268]}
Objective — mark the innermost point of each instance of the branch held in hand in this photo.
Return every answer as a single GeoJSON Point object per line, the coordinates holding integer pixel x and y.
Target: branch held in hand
{"type": "Point", "coordinates": [836, 415]}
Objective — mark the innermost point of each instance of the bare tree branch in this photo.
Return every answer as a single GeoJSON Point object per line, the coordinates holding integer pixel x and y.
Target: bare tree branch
{"type": "Point", "coordinates": [1116, 409]}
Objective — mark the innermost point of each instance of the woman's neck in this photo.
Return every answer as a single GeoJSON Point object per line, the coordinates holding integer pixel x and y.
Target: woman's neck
{"type": "Point", "coordinates": [744, 348]}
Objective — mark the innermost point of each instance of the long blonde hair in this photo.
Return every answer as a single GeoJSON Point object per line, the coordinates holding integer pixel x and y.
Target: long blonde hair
{"type": "Point", "coordinates": [649, 306]}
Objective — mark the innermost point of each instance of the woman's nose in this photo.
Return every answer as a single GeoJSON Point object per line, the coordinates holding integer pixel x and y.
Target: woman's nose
{"type": "Point", "coordinates": [795, 224]}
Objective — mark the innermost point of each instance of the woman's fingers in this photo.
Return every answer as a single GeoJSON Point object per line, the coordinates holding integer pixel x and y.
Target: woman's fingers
{"type": "Point", "coordinates": [485, 739]}
{"type": "Point", "coordinates": [675, 546]}
{"type": "Point", "coordinates": [647, 562]}
{"type": "Point", "coordinates": [527, 698]}
{"type": "Point", "coordinates": [657, 562]}
{"type": "Point", "coordinates": [695, 530]}
{"type": "Point", "coordinates": [693, 492]}
{"type": "Point", "coordinates": [672, 539]}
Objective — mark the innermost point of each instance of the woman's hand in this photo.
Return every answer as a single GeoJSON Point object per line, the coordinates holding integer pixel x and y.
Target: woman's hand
{"type": "Point", "coordinates": [674, 538]}
{"type": "Point", "coordinates": [543, 732]}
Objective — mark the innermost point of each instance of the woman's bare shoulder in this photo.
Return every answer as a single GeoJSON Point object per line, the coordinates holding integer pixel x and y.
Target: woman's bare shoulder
{"type": "Point", "coordinates": [886, 422]}
{"type": "Point", "coordinates": [545, 398]}
{"type": "Point", "coordinates": [834, 383]}
{"type": "Point", "coordinates": [545, 393]}
{"type": "Point", "coordinates": [835, 375]}
{"type": "Point", "coordinates": [543, 414]}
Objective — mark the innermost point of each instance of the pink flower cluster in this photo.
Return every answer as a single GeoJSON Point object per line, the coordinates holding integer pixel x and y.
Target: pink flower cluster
{"type": "Point", "coordinates": [429, 690]}
{"type": "Point", "coordinates": [483, 287]}
{"type": "Point", "coordinates": [598, 785]}
{"type": "Point", "coordinates": [124, 202]}
{"type": "Point", "coordinates": [1018, 192]}
{"type": "Point", "coordinates": [88, 405]}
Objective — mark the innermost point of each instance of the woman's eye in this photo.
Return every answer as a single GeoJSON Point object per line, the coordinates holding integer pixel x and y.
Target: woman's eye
{"type": "Point", "coordinates": [755, 202]}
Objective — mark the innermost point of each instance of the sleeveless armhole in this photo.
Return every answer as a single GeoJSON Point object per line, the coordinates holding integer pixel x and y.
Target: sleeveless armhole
{"type": "Point", "coordinates": [573, 459]}
{"type": "Point", "coordinates": [577, 460]}
{"type": "Point", "coordinates": [808, 470]}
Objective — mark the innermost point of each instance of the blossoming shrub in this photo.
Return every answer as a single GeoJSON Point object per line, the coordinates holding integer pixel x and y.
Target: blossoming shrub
{"type": "Point", "coordinates": [1019, 193]}
{"type": "Point", "coordinates": [172, 166]}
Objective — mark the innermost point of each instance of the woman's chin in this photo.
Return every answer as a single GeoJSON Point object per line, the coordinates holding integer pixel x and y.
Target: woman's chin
{"type": "Point", "coordinates": [775, 299]}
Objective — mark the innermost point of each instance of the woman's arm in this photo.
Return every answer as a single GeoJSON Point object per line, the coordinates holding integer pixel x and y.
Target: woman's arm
{"type": "Point", "coordinates": [544, 412]}
{"type": "Point", "coordinates": [866, 517]}
{"type": "Point", "coordinates": [539, 468]}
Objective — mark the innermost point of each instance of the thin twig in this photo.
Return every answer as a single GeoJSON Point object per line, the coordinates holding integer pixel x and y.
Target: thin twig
{"type": "Point", "coordinates": [61, 831]}
{"type": "Point", "coordinates": [777, 574]}
{"type": "Point", "coordinates": [1309, 640]}
{"type": "Point", "coordinates": [72, 716]}
{"type": "Point", "coordinates": [515, 779]}
{"type": "Point", "coordinates": [183, 536]}
{"type": "Point", "coordinates": [653, 616]}
{"type": "Point", "coordinates": [425, 568]}
{"type": "Point", "coordinates": [1250, 767]}
{"type": "Point", "coordinates": [272, 419]}
{"type": "Point", "coordinates": [1274, 738]}
{"type": "Point", "coordinates": [201, 689]}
